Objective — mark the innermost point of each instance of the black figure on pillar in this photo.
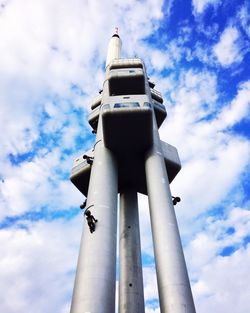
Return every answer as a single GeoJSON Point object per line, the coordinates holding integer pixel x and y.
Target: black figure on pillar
{"type": "Point", "coordinates": [176, 200]}
{"type": "Point", "coordinates": [91, 221]}
{"type": "Point", "coordinates": [89, 159]}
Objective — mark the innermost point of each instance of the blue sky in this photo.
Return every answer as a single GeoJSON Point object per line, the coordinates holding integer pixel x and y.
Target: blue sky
{"type": "Point", "coordinates": [52, 65]}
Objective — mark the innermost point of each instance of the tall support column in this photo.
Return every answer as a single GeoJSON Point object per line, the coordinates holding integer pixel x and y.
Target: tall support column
{"type": "Point", "coordinates": [94, 289]}
{"type": "Point", "coordinates": [173, 283]}
{"type": "Point", "coordinates": [131, 297]}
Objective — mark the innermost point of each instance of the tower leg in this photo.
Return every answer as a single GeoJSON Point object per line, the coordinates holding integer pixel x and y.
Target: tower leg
{"type": "Point", "coordinates": [94, 289]}
{"type": "Point", "coordinates": [131, 297]}
{"type": "Point", "coordinates": [173, 283]}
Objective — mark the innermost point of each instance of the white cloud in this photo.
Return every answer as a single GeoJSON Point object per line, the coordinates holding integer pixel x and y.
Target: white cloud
{"type": "Point", "coordinates": [211, 154]}
{"type": "Point", "coordinates": [216, 277]}
{"type": "Point", "coordinates": [146, 237]}
{"type": "Point", "coordinates": [150, 284]}
{"type": "Point", "coordinates": [36, 184]}
{"type": "Point", "coordinates": [194, 97]}
{"type": "Point", "coordinates": [215, 290]}
{"type": "Point", "coordinates": [201, 5]}
{"type": "Point", "coordinates": [228, 49]}
{"type": "Point", "coordinates": [243, 16]}
{"type": "Point", "coordinates": [157, 310]}
{"type": "Point", "coordinates": [238, 109]}
{"type": "Point", "coordinates": [174, 51]}
{"type": "Point", "coordinates": [160, 60]}
{"type": "Point", "coordinates": [37, 266]}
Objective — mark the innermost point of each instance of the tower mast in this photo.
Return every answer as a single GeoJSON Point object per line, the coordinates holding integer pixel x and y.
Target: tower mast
{"type": "Point", "coordinates": [128, 157]}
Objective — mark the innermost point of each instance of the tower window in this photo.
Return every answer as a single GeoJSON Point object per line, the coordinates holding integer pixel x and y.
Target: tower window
{"type": "Point", "coordinates": [119, 86]}
{"type": "Point", "coordinates": [127, 105]}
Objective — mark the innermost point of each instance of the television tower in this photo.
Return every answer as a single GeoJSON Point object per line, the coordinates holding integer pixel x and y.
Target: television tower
{"type": "Point", "coordinates": [128, 157]}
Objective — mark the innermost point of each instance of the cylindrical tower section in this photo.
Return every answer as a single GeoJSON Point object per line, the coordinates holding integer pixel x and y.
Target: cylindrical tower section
{"type": "Point", "coordinates": [131, 297]}
{"type": "Point", "coordinates": [114, 49]}
{"type": "Point", "coordinates": [94, 289]}
{"type": "Point", "coordinates": [173, 283]}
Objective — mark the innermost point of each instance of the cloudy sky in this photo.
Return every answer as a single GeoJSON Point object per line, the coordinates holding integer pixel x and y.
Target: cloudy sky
{"type": "Point", "coordinates": [52, 57]}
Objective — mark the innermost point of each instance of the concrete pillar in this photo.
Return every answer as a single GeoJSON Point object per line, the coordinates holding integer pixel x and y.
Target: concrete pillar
{"type": "Point", "coordinates": [94, 289]}
{"type": "Point", "coordinates": [131, 297]}
{"type": "Point", "coordinates": [173, 283]}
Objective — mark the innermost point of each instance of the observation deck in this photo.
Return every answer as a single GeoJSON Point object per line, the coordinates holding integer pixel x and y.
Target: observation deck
{"type": "Point", "coordinates": [131, 170]}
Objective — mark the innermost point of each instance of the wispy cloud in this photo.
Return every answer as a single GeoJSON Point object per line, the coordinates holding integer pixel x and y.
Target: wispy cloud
{"type": "Point", "coordinates": [37, 266]}
{"type": "Point", "coordinates": [201, 5]}
{"type": "Point", "coordinates": [217, 272]}
{"type": "Point", "coordinates": [243, 16]}
{"type": "Point", "coordinates": [228, 49]}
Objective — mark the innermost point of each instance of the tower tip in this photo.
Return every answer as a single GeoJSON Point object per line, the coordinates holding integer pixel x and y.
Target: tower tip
{"type": "Point", "coordinates": [114, 48]}
{"type": "Point", "coordinates": [116, 33]}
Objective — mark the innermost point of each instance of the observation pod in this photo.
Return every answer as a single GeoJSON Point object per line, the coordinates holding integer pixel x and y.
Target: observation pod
{"type": "Point", "coordinates": [126, 110]}
{"type": "Point", "coordinates": [80, 173]}
{"type": "Point", "coordinates": [130, 172]}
